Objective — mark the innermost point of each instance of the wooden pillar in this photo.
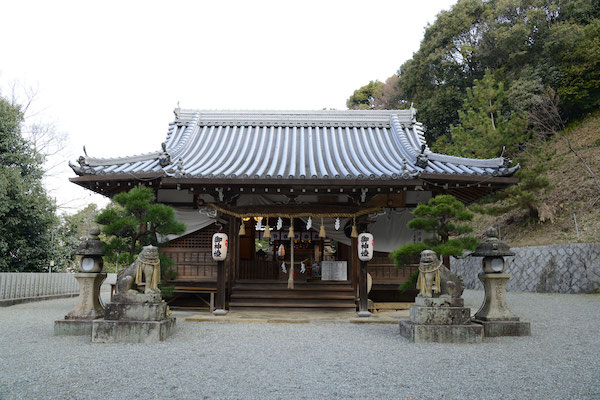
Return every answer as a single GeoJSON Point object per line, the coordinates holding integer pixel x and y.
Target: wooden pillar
{"type": "Point", "coordinates": [231, 275]}
{"type": "Point", "coordinates": [363, 294]}
{"type": "Point", "coordinates": [354, 270]}
{"type": "Point", "coordinates": [363, 303]}
{"type": "Point", "coordinates": [220, 286]}
{"type": "Point", "coordinates": [236, 253]}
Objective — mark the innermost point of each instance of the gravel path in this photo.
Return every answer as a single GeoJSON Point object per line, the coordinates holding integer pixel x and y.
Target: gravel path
{"type": "Point", "coordinates": [561, 360]}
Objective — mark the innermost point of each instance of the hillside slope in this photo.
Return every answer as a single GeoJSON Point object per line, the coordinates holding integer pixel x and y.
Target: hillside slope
{"type": "Point", "coordinates": [572, 191]}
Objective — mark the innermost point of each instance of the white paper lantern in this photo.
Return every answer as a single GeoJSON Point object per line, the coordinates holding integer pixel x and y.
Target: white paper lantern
{"type": "Point", "coordinates": [220, 244]}
{"type": "Point", "coordinates": [365, 247]}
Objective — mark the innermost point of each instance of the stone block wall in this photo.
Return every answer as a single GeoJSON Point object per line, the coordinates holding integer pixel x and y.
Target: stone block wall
{"type": "Point", "coordinates": [566, 268]}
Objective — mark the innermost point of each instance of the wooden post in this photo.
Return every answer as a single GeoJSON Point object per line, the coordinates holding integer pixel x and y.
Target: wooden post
{"type": "Point", "coordinates": [231, 276]}
{"type": "Point", "coordinates": [236, 251]}
{"type": "Point", "coordinates": [220, 286]}
{"type": "Point", "coordinates": [354, 267]}
{"type": "Point", "coordinates": [363, 304]}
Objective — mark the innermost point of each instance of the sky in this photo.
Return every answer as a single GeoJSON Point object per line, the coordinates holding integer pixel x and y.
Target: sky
{"type": "Point", "coordinates": [108, 74]}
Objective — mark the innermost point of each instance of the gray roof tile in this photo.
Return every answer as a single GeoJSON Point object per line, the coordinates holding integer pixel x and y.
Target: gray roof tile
{"type": "Point", "coordinates": [356, 144]}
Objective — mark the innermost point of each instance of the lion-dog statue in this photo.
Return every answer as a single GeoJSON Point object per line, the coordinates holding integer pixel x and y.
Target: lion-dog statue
{"type": "Point", "coordinates": [145, 269]}
{"type": "Point", "coordinates": [435, 280]}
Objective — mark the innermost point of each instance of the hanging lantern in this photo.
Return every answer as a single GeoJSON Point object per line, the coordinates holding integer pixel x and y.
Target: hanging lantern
{"type": "Point", "coordinates": [267, 230]}
{"type": "Point", "coordinates": [220, 244]}
{"type": "Point", "coordinates": [354, 233]}
{"type": "Point", "coordinates": [365, 247]}
{"type": "Point", "coordinates": [322, 230]}
{"type": "Point", "coordinates": [242, 229]}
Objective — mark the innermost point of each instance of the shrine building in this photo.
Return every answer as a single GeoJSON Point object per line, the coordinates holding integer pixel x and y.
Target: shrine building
{"type": "Point", "coordinates": [315, 178]}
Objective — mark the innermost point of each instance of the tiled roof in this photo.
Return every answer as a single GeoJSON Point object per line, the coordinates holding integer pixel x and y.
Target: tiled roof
{"type": "Point", "coordinates": [356, 144]}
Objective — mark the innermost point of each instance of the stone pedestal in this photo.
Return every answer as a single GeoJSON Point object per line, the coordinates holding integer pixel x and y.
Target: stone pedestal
{"type": "Point", "coordinates": [440, 320]}
{"type": "Point", "coordinates": [494, 315]}
{"type": "Point", "coordinates": [88, 308]}
{"type": "Point", "coordinates": [134, 323]}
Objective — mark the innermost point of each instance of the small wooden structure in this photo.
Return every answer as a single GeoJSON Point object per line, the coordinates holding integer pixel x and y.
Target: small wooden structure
{"type": "Point", "coordinates": [299, 169]}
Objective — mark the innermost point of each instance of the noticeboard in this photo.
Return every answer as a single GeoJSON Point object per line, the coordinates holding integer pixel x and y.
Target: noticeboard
{"type": "Point", "coordinates": [334, 271]}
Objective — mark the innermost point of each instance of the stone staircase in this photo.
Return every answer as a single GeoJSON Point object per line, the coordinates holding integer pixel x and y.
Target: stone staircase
{"type": "Point", "coordinates": [274, 295]}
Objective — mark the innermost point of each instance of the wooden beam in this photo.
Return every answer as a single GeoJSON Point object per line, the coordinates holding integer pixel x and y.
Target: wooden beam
{"type": "Point", "coordinates": [294, 183]}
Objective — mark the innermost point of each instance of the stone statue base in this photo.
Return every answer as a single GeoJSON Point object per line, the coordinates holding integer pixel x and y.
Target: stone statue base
{"type": "Point", "coordinates": [434, 320]}
{"type": "Point", "coordinates": [131, 322]}
{"type": "Point", "coordinates": [494, 315]}
{"type": "Point", "coordinates": [78, 322]}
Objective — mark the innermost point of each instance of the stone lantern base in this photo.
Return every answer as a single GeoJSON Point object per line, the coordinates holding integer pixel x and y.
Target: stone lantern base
{"type": "Point", "coordinates": [78, 322]}
{"type": "Point", "coordinates": [504, 328]}
{"type": "Point", "coordinates": [494, 315]}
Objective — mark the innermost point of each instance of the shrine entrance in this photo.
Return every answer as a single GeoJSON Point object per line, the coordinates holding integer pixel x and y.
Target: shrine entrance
{"type": "Point", "coordinates": [269, 258]}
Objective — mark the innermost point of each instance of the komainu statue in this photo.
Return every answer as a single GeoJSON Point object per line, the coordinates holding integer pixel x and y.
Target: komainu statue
{"type": "Point", "coordinates": [145, 269]}
{"type": "Point", "coordinates": [435, 280]}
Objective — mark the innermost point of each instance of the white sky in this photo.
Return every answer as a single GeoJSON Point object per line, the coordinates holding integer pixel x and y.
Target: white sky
{"type": "Point", "coordinates": [110, 73]}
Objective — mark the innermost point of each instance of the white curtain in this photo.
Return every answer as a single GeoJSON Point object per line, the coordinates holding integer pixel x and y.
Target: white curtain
{"type": "Point", "coordinates": [390, 230]}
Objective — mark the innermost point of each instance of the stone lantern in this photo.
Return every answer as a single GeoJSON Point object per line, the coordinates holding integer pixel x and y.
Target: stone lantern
{"type": "Point", "coordinates": [494, 314]}
{"type": "Point", "coordinates": [90, 277]}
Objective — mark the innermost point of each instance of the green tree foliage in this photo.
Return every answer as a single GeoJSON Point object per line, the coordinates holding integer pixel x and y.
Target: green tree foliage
{"type": "Point", "coordinates": [69, 233]}
{"type": "Point", "coordinates": [444, 217]}
{"type": "Point", "coordinates": [27, 214]}
{"type": "Point", "coordinates": [133, 220]}
{"type": "Point", "coordinates": [363, 98]}
{"type": "Point", "coordinates": [522, 196]}
{"type": "Point", "coordinates": [378, 96]}
{"type": "Point", "coordinates": [486, 123]}
{"type": "Point", "coordinates": [527, 44]}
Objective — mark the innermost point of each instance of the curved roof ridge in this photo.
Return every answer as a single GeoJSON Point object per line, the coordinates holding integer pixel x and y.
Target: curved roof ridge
{"type": "Point", "coordinates": [96, 161]}
{"type": "Point", "coordinates": [299, 117]}
{"type": "Point", "coordinates": [185, 137]}
{"type": "Point", "coordinates": [474, 162]}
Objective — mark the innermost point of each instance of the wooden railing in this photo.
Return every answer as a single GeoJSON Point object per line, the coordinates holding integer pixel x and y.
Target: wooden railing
{"type": "Point", "coordinates": [18, 285]}
{"type": "Point", "coordinates": [382, 272]}
{"type": "Point", "coordinates": [193, 265]}
{"type": "Point", "coordinates": [258, 269]}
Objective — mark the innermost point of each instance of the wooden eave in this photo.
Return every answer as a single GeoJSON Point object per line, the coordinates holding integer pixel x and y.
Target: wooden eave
{"type": "Point", "coordinates": [464, 187]}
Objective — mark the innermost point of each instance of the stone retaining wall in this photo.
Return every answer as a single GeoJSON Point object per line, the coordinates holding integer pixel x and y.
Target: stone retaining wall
{"type": "Point", "coordinates": [567, 268]}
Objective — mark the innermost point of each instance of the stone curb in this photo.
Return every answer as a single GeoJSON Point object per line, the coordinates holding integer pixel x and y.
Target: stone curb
{"type": "Point", "coordinates": [294, 321]}
{"type": "Point", "coordinates": [12, 302]}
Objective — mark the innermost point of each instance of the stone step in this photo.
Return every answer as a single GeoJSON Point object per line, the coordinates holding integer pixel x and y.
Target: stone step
{"type": "Point", "coordinates": [292, 294]}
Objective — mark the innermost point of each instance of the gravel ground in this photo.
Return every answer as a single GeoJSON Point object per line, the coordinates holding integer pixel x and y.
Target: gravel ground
{"type": "Point", "coordinates": [307, 361]}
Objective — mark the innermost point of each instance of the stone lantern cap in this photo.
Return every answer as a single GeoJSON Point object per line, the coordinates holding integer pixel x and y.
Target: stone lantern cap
{"type": "Point", "coordinates": [91, 245]}
{"type": "Point", "coordinates": [492, 246]}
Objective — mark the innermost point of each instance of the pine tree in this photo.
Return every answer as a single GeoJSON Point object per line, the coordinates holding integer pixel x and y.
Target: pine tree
{"type": "Point", "coordinates": [134, 219]}
{"type": "Point", "coordinates": [441, 217]}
